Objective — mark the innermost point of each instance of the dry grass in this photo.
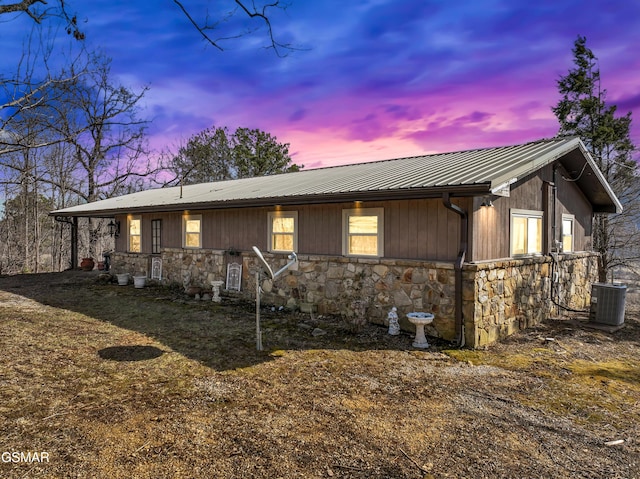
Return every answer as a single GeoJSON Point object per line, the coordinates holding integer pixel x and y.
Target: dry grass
{"type": "Point", "coordinates": [117, 382]}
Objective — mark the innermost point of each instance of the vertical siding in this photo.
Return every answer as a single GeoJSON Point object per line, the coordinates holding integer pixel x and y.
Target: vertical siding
{"type": "Point", "coordinates": [491, 231]}
{"type": "Point", "coordinates": [121, 241]}
{"type": "Point", "coordinates": [172, 234]}
{"type": "Point", "coordinates": [239, 229]}
{"type": "Point", "coordinates": [491, 234]}
{"type": "Point", "coordinates": [320, 228]}
{"type": "Point", "coordinates": [413, 229]}
{"type": "Point", "coordinates": [422, 229]}
{"type": "Point", "coordinates": [572, 201]}
{"type": "Point", "coordinates": [394, 222]}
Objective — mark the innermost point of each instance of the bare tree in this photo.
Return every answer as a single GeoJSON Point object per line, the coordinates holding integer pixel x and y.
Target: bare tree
{"type": "Point", "coordinates": [79, 139]}
{"type": "Point", "coordinates": [99, 121]}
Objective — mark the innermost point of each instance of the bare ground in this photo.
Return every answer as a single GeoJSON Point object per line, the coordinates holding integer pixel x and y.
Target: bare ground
{"type": "Point", "coordinates": [116, 382]}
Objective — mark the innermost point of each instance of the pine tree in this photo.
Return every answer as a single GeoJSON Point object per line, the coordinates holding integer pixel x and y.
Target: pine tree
{"type": "Point", "coordinates": [583, 111]}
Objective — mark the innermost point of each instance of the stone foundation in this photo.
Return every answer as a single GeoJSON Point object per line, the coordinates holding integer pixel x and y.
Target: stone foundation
{"type": "Point", "coordinates": [502, 297]}
{"type": "Point", "coordinates": [499, 297]}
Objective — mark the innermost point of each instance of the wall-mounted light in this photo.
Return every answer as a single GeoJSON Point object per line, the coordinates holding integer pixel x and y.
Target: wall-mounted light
{"type": "Point", "coordinates": [114, 228]}
{"type": "Point", "coordinates": [486, 202]}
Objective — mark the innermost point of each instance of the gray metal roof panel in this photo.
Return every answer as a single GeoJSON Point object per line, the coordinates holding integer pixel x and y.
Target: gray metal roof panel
{"type": "Point", "coordinates": [489, 166]}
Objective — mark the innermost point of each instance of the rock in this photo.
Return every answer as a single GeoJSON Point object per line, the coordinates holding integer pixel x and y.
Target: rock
{"type": "Point", "coordinates": [318, 332]}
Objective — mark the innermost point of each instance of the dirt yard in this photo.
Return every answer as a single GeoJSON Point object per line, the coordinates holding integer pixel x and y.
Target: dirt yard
{"type": "Point", "coordinates": [108, 381]}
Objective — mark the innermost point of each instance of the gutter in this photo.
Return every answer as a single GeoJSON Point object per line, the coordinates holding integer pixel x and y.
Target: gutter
{"type": "Point", "coordinates": [462, 252]}
{"type": "Point", "coordinates": [183, 204]}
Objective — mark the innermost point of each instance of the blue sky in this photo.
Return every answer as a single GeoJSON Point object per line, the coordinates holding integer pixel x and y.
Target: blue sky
{"type": "Point", "coordinates": [371, 79]}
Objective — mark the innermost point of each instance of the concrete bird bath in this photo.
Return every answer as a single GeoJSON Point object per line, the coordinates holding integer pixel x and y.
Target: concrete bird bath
{"type": "Point", "coordinates": [420, 320]}
{"type": "Point", "coordinates": [216, 285]}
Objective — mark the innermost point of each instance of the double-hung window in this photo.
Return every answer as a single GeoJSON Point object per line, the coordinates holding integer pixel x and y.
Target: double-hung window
{"type": "Point", "coordinates": [363, 232]}
{"type": "Point", "coordinates": [283, 231]}
{"type": "Point", "coordinates": [134, 226]}
{"type": "Point", "coordinates": [567, 233]}
{"type": "Point", "coordinates": [526, 232]}
{"type": "Point", "coordinates": [192, 231]}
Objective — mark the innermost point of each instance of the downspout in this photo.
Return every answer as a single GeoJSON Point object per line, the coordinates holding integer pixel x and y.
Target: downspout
{"type": "Point", "coordinates": [554, 191]}
{"type": "Point", "coordinates": [462, 252]}
{"type": "Point", "coordinates": [555, 243]}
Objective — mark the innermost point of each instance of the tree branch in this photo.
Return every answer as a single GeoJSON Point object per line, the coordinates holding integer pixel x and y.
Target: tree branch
{"type": "Point", "coordinates": [195, 24]}
{"type": "Point", "coordinates": [38, 16]}
{"type": "Point", "coordinates": [23, 6]}
{"type": "Point", "coordinates": [253, 13]}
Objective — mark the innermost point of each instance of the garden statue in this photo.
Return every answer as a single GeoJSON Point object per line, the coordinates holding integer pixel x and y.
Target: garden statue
{"type": "Point", "coordinates": [392, 317]}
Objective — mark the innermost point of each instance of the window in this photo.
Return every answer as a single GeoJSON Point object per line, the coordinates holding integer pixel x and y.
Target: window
{"type": "Point", "coordinates": [526, 232]}
{"type": "Point", "coordinates": [192, 231]}
{"type": "Point", "coordinates": [135, 234]}
{"type": "Point", "coordinates": [283, 231]}
{"type": "Point", "coordinates": [156, 236]}
{"type": "Point", "coordinates": [567, 233]}
{"type": "Point", "coordinates": [363, 232]}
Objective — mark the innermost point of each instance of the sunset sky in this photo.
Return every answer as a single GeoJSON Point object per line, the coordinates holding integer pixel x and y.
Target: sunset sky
{"type": "Point", "coordinates": [369, 79]}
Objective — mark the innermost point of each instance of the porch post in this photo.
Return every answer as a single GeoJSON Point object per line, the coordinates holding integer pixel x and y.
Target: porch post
{"type": "Point", "coordinates": [74, 243]}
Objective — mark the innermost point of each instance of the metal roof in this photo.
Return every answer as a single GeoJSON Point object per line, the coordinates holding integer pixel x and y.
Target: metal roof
{"type": "Point", "coordinates": [464, 173]}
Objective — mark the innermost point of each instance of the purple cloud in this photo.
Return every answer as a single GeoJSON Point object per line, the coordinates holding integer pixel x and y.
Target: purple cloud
{"type": "Point", "coordinates": [372, 79]}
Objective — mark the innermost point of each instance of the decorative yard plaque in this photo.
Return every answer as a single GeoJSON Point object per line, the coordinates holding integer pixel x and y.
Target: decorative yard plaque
{"type": "Point", "coordinates": [234, 276]}
{"type": "Point", "coordinates": [156, 268]}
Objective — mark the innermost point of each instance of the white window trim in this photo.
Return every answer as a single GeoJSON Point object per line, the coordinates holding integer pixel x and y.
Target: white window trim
{"type": "Point", "coordinates": [186, 218]}
{"type": "Point", "coordinates": [514, 212]}
{"type": "Point", "coordinates": [379, 212]}
{"type": "Point", "coordinates": [129, 220]}
{"type": "Point", "coordinates": [572, 218]}
{"type": "Point", "coordinates": [282, 214]}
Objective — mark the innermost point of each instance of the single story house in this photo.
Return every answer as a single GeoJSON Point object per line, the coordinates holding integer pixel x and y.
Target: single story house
{"type": "Point", "coordinates": [489, 240]}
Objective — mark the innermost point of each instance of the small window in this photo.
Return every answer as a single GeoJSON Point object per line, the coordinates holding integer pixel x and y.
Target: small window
{"type": "Point", "coordinates": [567, 233]}
{"type": "Point", "coordinates": [135, 234]}
{"type": "Point", "coordinates": [283, 231]}
{"type": "Point", "coordinates": [526, 232]}
{"type": "Point", "coordinates": [192, 231]}
{"type": "Point", "coordinates": [156, 236]}
{"type": "Point", "coordinates": [363, 232]}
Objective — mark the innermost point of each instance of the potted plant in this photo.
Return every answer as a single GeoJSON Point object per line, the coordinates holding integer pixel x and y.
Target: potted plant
{"type": "Point", "coordinates": [87, 264]}
{"type": "Point", "coordinates": [140, 280]}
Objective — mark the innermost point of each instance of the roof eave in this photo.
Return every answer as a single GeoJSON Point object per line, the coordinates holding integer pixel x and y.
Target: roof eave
{"type": "Point", "coordinates": [575, 143]}
{"type": "Point", "coordinates": [370, 195]}
{"type": "Point", "coordinates": [616, 206]}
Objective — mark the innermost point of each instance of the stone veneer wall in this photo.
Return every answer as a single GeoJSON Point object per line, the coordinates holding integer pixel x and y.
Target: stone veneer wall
{"type": "Point", "coordinates": [330, 282]}
{"type": "Point", "coordinates": [499, 297]}
{"type": "Point", "coordinates": [132, 263]}
{"type": "Point", "coordinates": [502, 297]}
